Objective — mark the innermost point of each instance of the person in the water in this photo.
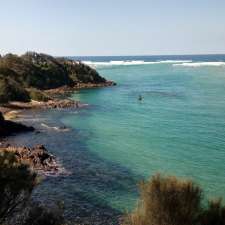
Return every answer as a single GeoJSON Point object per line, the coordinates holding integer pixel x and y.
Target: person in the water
{"type": "Point", "coordinates": [140, 98]}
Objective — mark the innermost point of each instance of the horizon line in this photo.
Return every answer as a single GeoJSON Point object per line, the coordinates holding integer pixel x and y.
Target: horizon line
{"type": "Point", "coordinates": [123, 55]}
{"type": "Point", "coordinates": [114, 55]}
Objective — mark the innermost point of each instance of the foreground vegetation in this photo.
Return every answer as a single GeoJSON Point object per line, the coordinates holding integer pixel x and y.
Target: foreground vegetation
{"type": "Point", "coordinates": [17, 182]}
{"type": "Point", "coordinates": [171, 201]}
{"type": "Point", "coordinates": [164, 201]}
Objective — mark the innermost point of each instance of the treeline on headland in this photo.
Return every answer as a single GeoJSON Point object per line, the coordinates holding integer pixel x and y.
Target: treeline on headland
{"type": "Point", "coordinates": [22, 77]}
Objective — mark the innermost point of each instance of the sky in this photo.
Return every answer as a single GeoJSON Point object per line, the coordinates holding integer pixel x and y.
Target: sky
{"type": "Point", "coordinates": [112, 27]}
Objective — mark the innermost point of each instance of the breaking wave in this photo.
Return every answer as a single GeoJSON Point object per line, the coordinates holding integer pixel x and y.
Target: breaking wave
{"type": "Point", "coordinates": [63, 129]}
{"type": "Point", "coordinates": [132, 62]}
{"type": "Point", "coordinates": [200, 64]}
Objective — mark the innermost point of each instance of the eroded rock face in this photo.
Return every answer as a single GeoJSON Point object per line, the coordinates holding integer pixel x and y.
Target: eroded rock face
{"type": "Point", "coordinates": [37, 157]}
{"type": "Point", "coordinates": [9, 127]}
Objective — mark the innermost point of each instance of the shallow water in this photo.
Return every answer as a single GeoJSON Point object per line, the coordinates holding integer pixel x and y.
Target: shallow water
{"type": "Point", "coordinates": [178, 128]}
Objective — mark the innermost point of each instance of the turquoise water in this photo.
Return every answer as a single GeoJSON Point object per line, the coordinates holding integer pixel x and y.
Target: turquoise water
{"type": "Point", "coordinates": [177, 129]}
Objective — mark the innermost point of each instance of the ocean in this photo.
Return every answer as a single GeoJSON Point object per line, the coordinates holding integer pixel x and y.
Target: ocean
{"type": "Point", "coordinates": [178, 128]}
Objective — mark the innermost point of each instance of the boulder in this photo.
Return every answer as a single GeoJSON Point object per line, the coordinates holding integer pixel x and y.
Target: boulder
{"type": "Point", "coordinates": [9, 127]}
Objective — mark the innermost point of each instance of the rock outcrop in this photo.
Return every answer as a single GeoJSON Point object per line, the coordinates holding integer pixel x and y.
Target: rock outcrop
{"type": "Point", "coordinates": [37, 158]}
{"type": "Point", "coordinates": [9, 127]}
{"type": "Point", "coordinates": [51, 104]}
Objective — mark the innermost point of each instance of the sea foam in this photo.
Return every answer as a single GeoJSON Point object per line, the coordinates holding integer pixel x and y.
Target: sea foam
{"type": "Point", "coordinates": [200, 64]}
{"type": "Point", "coordinates": [133, 62]}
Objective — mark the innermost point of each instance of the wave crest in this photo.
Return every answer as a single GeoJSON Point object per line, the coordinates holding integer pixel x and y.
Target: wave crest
{"type": "Point", "coordinates": [200, 64]}
{"type": "Point", "coordinates": [133, 62]}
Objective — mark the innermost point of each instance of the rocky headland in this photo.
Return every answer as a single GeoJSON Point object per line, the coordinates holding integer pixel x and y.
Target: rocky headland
{"type": "Point", "coordinates": [39, 81]}
{"type": "Point", "coordinates": [34, 76]}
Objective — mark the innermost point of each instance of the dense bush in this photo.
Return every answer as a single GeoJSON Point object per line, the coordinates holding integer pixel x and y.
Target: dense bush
{"type": "Point", "coordinates": [170, 201]}
{"type": "Point", "coordinates": [167, 201]}
{"type": "Point", "coordinates": [16, 185]}
{"type": "Point", "coordinates": [45, 72]}
{"type": "Point", "coordinates": [40, 71]}
{"type": "Point", "coordinates": [81, 73]}
{"type": "Point", "coordinates": [214, 214]}
{"type": "Point", "coordinates": [38, 214]}
{"type": "Point", "coordinates": [33, 73]}
{"type": "Point", "coordinates": [10, 90]}
{"type": "Point", "coordinates": [17, 182]}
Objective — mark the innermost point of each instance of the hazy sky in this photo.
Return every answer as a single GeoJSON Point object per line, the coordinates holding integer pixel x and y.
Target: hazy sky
{"type": "Point", "coordinates": [112, 27]}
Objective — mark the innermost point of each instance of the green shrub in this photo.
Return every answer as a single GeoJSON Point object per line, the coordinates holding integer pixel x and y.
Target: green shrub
{"type": "Point", "coordinates": [10, 90]}
{"type": "Point", "coordinates": [214, 214]}
{"type": "Point", "coordinates": [38, 95]}
{"type": "Point", "coordinates": [36, 70]}
{"type": "Point", "coordinates": [41, 71]}
{"type": "Point", "coordinates": [16, 185]}
{"type": "Point", "coordinates": [17, 182]}
{"type": "Point", "coordinates": [80, 72]}
{"type": "Point", "coordinates": [167, 201]}
{"type": "Point", "coordinates": [170, 201]}
{"type": "Point", "coordinates": [38, 214]}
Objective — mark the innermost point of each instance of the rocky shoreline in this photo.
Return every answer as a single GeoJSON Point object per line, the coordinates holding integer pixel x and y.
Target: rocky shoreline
{"type": "Point", "coordinates": [38, 158]}
{"type": "Point", "coordinates": [13, 110]}
{"type": "Point", "coordinates": [51, 104]}
{"type": "Point", "coordinates": [38, 81]}
{"type": "Point", "coordinates": [70, 89]}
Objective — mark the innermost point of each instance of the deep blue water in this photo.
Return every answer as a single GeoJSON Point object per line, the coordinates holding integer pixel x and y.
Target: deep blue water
{"type": "Point", "coordinates": [178, 128]}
